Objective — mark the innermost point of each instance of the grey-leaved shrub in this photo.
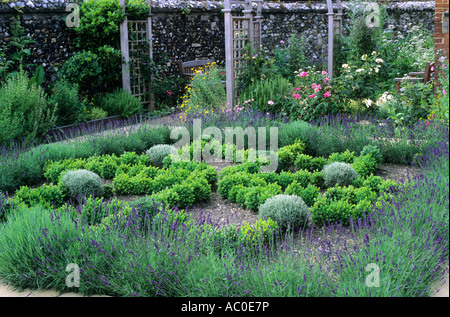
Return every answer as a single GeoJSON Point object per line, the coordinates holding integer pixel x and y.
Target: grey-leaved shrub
{"type": "Point", "coordinates": [157, 153]}
{"type": "Point", "coordinates": [339, 173]}
{"type": "Point", "coordinates": [286, 210]}
{"type": "Point", "coordinates": [82, 182]}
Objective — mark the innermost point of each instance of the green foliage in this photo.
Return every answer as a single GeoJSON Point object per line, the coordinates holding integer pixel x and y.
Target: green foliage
{"type": "Point", "coordinates": [83, 69]}
{"type": "Point", "coordinates": [317, 179]}
{"type": "Point", "coordinates": [110, 60]}
{"type": "Point", "coordinates": [288, 154]}
{"type": "Point", "coordinates": [20, 40]}
{"type": "Point", "coordinates": [25, 111]}
{"type": "Point", "coordinates": [440, 104]}
{"type": "Point", "coordinates": [374, 151]}
{"type": "Point", "coordinates": [288, 211]}
{"type": "Point", "coordinates": [296, 130]}
{"type": "Point", "coordinates": [267, 95]}
{"type": "Point", "coordinates": [99, 23]}
{"type": "Point", "coordinates": [365, 165]}
{"type": "Point", "coordinates": [96, 113]}
{"type": "Point", "coordinates": [201, 188]}
{"type": "Point", "coordinates": [374, 183]}
{"type": "Point", "coordinates": [304, 162]}
{"type": "Point", "coordinates": [308, 194]}
{"type": "Point", "coordinates": [186, 197]}
{"type": "Point", "coordinates": [260, 232]}
{"type": "Point", "coordinates": [166, 197]}
{"type": "Point", "coordinates": [82, 182]}
{"type": "Point", "coordinates": [289, 57]}
{"type": "Point", "coordinates": [229, 181]}
{"type": "Point", "coordinates": [313, 96]}
{"type": "Point", "coordinates": [94, 209]}
{"type": "Point", "coordinates": [257, 195]}
{"type": "Point", "coordinates": [122, 103]}
{"type": "Point", "coordinates": [339, 173]}
{"type": "Point", "coordinates": [47, 195]}
{"type": "Point", "coordinates": [206, 91]}
{"type": "Point", "coordinates": [324, 212]}
{"type": "Point", "coordinates": [157, 153]}
{"type": "Point", "coordinates": [344, 157]}
{"type": "Point", "coordinates": [69, 106]}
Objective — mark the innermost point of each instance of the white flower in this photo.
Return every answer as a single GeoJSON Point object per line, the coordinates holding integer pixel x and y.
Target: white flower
{"type": "Point", "coordinates": [345, 66]}
{"type": "Point", "coordinates": [368, 102]}
{"type": "Point", "coordinates": [364, 57]}
{"type": "Point", "coordinates": [376, 70]}
{"type": "Point", "coordinates": [359, 70]}
{"type": "Point", "coordinates": [379, 60]}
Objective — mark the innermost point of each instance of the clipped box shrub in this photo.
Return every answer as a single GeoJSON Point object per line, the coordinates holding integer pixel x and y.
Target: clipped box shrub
{"type": "Point", "coordinates": [185, 193]}
{"type": "Point", "coordinates": [258, 233]}
{"type": "Point", "coordinates": [257, 195]}
{"type": "Point", "coordinates": [344, 157]}
{"type": "Point", "coordinates": [303, 162]}
{"type": "Point", "coordinates": [82, 182]}
{"type": "Point", "coordinates": [157, 153]}
{"type": "Point", "coordinates": [374, 151]}
{"type": "Point", "coordinates": [317, 179]}
{"type": "Point", "coordinates": [226, 183]}
{"type": "Point", "coordinates": [47, 195]}
{"type": "Point", "coordinates": [287, 154]}
{"type": "Point", "coordinates": [308, 194]}
{"type": "Point", "coordinates": [286, 210]}
{"type": "Point", "coordinates": [340, 211]}
{"type": "Point", "coordinates": [365, 165]}
{"type": "Point", "coordinates": [339, 173]}
{"type": "Point", "coordinates": [201, 188]}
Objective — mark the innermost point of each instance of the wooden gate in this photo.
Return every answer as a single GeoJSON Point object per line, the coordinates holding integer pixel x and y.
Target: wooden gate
{"type": "Point", "coordinates": [240, 30]}
{"type": "Point", "coordinates": [137, 54]}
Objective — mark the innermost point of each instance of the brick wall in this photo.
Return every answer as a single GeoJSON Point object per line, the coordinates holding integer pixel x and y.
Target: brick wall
{"type": "Point", "coordinates": [441, 25]}
{"type": "Point", "coordinates": [441, 29]}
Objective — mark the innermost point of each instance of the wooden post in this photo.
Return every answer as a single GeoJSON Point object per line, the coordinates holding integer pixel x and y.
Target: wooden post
{"type": "Point", "coordinates": [229, 53]}
{"type": "Point", "coordinates": [330, 15]}
{"type": "Point", "coordinates": [125, 51]}
{"type": "Point", "coordinates": [149, 38]}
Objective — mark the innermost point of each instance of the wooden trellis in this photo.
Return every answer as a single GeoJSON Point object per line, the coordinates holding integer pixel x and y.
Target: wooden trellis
{"type": "Point", "coordinates": [239, 31]}
{"type": "Point", "coordinates": [137, 54]}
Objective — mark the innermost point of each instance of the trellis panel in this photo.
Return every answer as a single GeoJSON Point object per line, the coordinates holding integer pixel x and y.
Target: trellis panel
{"type": "Point", "coordinates": [239, 31]}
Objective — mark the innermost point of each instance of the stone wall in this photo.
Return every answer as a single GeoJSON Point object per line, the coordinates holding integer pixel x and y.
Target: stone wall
{"type": "Point", "coordinates": [187, 30]}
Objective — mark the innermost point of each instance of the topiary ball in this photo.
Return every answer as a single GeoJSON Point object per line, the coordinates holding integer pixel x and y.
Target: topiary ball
{"type": "Point", "coordinates": [82, 182]}
{"type": "Point", "coordinates": [286, 210]}
{"type": "Point", "coordinates": [339, 173]}
{"type": "Point", "coordinates": [157, 153]}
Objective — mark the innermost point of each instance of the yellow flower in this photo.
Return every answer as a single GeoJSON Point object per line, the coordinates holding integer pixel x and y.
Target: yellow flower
{"type": "Point", "coordinates": [206, 111]}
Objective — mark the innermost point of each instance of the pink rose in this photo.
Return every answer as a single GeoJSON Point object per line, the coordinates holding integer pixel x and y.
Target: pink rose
{"type": "Point", "coordinates": [169, 93]}
{"type": "Point", "coordinates": [434, 116]}
{"type": "Point", "coordinates": [312, 96]}
{"type": "Point", "coordinates": [444, 92]}
{"type": "Point", "coordinates": [296, 96]}
{"type": "Point", "coordinates": [303, 74]}
{"type": "Point", "coordinates": [271, 102]}
{"type": "Point", "coordinates": [427, 123]}
{"type": "Point", "coordinates": [324, 73]}
{"type": "Point", "coordinates": [298, 88]}
{"type": "Point", "coordinates": [327, 94]}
